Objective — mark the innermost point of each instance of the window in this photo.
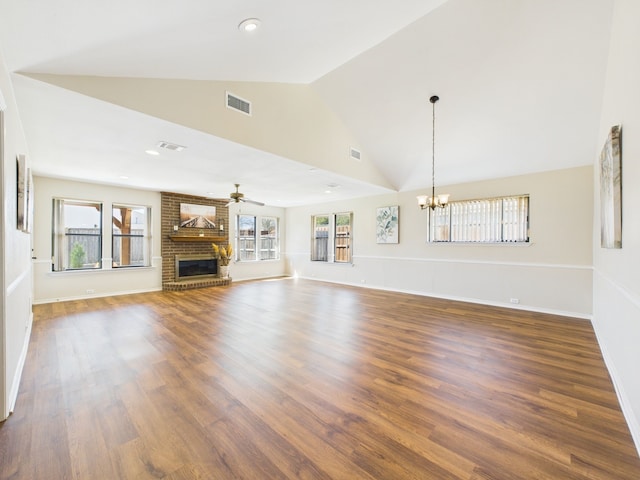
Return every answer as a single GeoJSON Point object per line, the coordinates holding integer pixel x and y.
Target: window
{"type": "Point", "coordinates": [331, 233]}
{"type": "Point", "coordinates": [320, 239]}
{"type": "Point", "coordinates": [492, 220]}
{"type": "Point", "coordinates": [77, 235]}
{"type": "Point", "coordinates": [130, 239]}
{"type": "Point", "coordinates": [247, 237]}
{"type": "Point", "coordinates": [268, 238]}
{"type": "Point", "coordinates": [343, 238]}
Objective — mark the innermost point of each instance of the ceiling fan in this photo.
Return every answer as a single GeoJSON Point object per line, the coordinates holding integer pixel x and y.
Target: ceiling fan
{"type": "Point", "coordinates": [236, 197]}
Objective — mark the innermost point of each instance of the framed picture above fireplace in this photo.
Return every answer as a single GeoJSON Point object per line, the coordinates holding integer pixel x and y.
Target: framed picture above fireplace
{"type": "Point", "coordinates": [197, 216]}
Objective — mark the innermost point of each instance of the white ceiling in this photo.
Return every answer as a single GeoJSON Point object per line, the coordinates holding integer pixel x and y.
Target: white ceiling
{"type": "Point", "coordinates": [520, 83]}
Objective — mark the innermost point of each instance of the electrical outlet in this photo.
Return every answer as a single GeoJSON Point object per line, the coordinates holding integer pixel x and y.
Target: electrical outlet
{"type": "Point", "coordinates": [90, 290]}
{"type": "Point", "coordinates": [514, 300]}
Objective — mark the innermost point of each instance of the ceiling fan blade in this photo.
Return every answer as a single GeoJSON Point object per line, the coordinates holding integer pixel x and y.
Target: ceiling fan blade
{"type": "Point", "coordinates": [252, 201]}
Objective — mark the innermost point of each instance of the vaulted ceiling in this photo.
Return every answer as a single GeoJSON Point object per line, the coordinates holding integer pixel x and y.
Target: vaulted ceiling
{"type": "Point", "coordinates": [98, 83]}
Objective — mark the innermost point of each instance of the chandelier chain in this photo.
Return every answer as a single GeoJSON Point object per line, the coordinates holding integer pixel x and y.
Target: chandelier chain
{"type": "Point", "coordinates": [433, 153]}
{"type": "Point", "coordinates": [441, 200]}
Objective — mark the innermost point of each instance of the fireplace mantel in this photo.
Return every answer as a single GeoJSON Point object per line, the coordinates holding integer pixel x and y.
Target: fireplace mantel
{"type": "Point", "coordinates": [196, 238]}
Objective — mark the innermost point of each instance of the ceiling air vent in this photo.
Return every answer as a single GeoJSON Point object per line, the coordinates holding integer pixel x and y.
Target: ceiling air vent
{"type": "Point", "coordinates": [236, 103]}
{"type": "Point", "coordinates": [171, 146]}
{"type": "Point", "coordinates": [355, 154]}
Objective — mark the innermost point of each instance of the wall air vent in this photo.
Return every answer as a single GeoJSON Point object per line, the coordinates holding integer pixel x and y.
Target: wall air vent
{"type": "Point", "coordinates": [238, 104]}
{"type": "Point", "coordinates": [355, 154]}
{"type": "Point", "coordinates": [170, 146]}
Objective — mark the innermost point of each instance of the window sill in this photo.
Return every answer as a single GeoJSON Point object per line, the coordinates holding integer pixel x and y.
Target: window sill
{"type": "Point", "coordinates": [101, 271]}
{"type": "Point", "coordinates": [483, 244]}
{"type": "Point", "coordinates": [240, 262]}
{"type": "Point", "coordinates": [324, 262]}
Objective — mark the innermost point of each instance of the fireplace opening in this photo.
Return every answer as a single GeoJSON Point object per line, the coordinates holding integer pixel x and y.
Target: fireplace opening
{"type": "Point", "coordinates": [190, 267]}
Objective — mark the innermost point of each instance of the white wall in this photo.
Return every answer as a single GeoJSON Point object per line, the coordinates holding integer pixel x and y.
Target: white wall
{"type": "Point", "coordinates": [56, 286]}
{"type": "Point", "coordinates": [616, 292]}
{"type": "Point", "coordinates": [553, 273]}
{"type": "Point", "coordinates": [15, 264]}
{"type": "Point", "coordinates": [259, 269]}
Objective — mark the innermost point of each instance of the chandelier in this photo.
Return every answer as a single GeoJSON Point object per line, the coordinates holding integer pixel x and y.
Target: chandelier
{"type": "Point", "coordinates": [433, 201]}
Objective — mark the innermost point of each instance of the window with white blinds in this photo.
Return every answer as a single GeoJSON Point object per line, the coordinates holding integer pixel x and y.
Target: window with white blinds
{"type": "Point", "coordinates": [490, 220]}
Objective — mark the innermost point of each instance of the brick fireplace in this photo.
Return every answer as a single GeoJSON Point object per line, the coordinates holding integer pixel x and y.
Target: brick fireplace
{"type": "Point", "coordinates": [185, 242]}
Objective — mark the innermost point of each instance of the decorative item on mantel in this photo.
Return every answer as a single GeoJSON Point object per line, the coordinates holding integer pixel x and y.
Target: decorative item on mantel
{"type": "Point", "coordinates": [224, 255]}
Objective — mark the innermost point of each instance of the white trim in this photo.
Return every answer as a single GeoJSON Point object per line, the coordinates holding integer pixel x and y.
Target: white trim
{"type": "Point", "coordinates": [477, 301]}
{"type": "Point", "coordinates": [95, 295]}
{"type": "Point", "coordinates": [13, 394]}
{"type": "Point", "coordinates": [254, 262]}
{"type": "Point", "coordinates": [453, 260]}
{"type": "Point", "coordinates": [482, 244]}
{"type": "Point", "coordinates": [99, 271]}
{"type": "Point", "coordinates": [154, 261]}
{"type": "Point", "coordinates": [478, 262]}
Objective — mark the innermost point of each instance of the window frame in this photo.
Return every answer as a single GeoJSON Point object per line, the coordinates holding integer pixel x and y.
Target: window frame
{"type": "Point", "coordinates": [333, 243]}
{"type": "Point", "coordinates": [258, 237]}
{"type": "Point", "coordinates": [489, 226]}
{"type": "Point", "coordinates": [338, 239]}
{"type": "Point", "coordinates": [61, 251]}
{"type": "Point", "coordinates": [145, 236]}
{"type": "Point", "coordinates": [315, 239]}
{"type": "Point", "coordinates": [266, 237]}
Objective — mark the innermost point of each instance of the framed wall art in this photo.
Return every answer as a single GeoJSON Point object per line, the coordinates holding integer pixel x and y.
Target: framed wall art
{"type": "Point", "coordinates": [28, 219]}
{"type": "Point", "coordinates": [611, 190]}
{"type": "Point", "coordinates": [387, 224]}
{"type": "Point", "coordinates": [21, 176]}
{"type": "Point", "coordinates": [197, 216]}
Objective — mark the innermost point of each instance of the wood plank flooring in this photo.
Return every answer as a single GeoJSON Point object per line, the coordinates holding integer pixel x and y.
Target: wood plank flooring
{"type": "Point", "coordinates": [293, 379]}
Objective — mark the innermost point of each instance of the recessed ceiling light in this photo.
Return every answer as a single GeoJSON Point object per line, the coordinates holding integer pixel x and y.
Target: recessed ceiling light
{"type": "Point", "coordinates": [327, 191]}
{"type": "Point", "coordinates": [249, 25]}
{"type": "Point", "coordinates": [123, 177]}
{"type": "Point", "coordinates": [152, 152]}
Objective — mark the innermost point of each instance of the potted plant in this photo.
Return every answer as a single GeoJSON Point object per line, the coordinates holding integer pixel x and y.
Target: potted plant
{"type": "Point", "coordinates": [224, 255]}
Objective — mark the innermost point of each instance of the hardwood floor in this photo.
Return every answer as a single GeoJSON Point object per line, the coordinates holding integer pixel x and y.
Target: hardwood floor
{"type": "Point", "coordinates": [291, 379]}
